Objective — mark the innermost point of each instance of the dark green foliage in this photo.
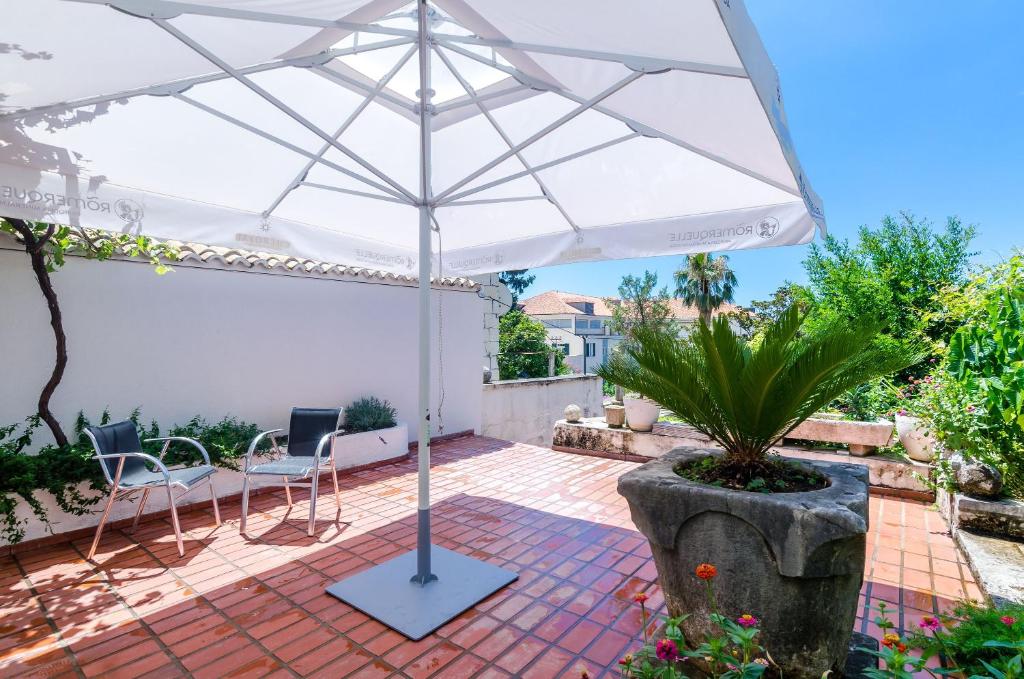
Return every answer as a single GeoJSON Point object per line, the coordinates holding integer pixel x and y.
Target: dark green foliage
{"type": "Point", "coordinates": [61, 469]}
{"type": "Point", "coordinates": [868, 402]}
{"type": "Point", "coordinates": [893, 273]}
{"type": "Point", "coordinates": [981, 624]}
{"type": "Point", "coordinates": [747, 397]}
{"type": "Point", "coordinates": [523, 348]}
{"type": "Point", "coordinates": [369, 414]}
{"type": "Point", "coordinates": [517, 280]}
{"type": "Point", "coordinates": [640, 305]}
{"type": "Point", "coordinates": [763, 312]}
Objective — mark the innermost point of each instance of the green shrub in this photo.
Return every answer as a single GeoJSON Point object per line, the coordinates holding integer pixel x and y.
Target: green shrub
{"type": "Point", "coordinates": [368, 414]}
{"type": "Point", "coordinates": [868, 402]}
{"type": "Point", "coordinates": [226, 441]}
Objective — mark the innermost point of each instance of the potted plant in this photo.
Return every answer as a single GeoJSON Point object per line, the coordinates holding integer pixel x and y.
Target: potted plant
{"type": "Point", "coordinates": [641, 413]}
{"type": "Point", "coordinates": [790, 535]}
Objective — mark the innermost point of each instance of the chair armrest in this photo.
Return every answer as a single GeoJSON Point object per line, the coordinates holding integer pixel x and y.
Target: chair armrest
{"type": "Point", "coordinates": [145, 456]}
{"type": "Point", "coordinates": [256, 442]}
{"type": "Point", "coordinates": [183, 439]}
{"type": "Point", "coordinates": [323, 441]}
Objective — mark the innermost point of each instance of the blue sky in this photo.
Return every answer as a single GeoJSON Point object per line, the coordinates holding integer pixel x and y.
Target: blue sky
{"type": "Point", "coordinates": [910, 105]}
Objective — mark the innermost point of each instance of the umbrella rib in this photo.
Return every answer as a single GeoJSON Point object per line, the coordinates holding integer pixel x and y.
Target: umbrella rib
{"type": "Point", "coordinates": [582, 108]}
{"type": "Point", "coordinates": [341, 79]}
{"type": "Point", "coordinates": [277, 103]}
{"type": "Point", "coordinates": [488, 201]}
{"type": "Point", "coordinates": [341, 130]}
{"type": "Point", "coordinates": [314, 60]}
{"type": "Point", "coordinates": [508, 142]}
{"type": "Point", "coordinates": [462, 103]}
{"type": "Point", "coordinates": [635, 125]}
{"type": "Point", "coordinates": [638, 62]}
{"type": "Point", "coordinates": [351, 192]}
{"type": "Point", "coordinates": [288, 145]}
{"type": "Point", "coordinates": [539, 168]}
{"type": "Point", "coordinates": [157, 9]}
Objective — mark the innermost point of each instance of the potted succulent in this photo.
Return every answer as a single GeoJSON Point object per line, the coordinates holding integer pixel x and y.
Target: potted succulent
{"type": "Point", "coordinates": [790, 535]}
{"type": "Point", "coordinates": [641, 413]}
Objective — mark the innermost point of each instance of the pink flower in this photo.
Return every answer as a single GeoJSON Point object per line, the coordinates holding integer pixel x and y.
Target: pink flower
{"type": "Point", "coordinates": [747, 620]}
{"type": "Point", "coordinates": [971, 409]}
{"type": "Point", "coordinates": [930, 622]}
{"type": "Point", "coordinates": [931, 360]}
{"type": "Point", "coordinates": [904, 412]}
{"type": "Point", "coordinates": [666, 649]}
{"type": "Point", "coordinates": [928, 378]}
{"type": "Point", "coordinates": [640, 597]}
{"type": "Point", "coordinates": [1008, 620]}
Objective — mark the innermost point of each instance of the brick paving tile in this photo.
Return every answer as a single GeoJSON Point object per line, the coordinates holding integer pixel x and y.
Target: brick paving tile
{"type": "Point", "coordinates": [254, 606]}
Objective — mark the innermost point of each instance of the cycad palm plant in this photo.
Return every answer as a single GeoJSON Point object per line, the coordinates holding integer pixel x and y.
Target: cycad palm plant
{"type": "Point", "coordinates": [747, 397]}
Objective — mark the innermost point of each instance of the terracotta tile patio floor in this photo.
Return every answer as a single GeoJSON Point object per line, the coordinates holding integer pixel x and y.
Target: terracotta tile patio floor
{"type": "Point", "coordinates": [233, 607]}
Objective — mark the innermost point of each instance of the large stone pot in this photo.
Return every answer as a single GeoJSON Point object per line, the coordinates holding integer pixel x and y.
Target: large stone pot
{"type": "Point", "coordinates": [794, 560]}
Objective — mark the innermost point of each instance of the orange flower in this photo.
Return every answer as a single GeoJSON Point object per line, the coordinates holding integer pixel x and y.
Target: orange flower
{"type": "Point", "coordinates": [890, 640]}
{"type": "Point", "coordinates": [706, 571]}
{"type": "Point", "coordinates": [640, 597]}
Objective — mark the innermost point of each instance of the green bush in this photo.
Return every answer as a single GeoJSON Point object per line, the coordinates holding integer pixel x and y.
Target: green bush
{"type": "Point", "coordinates": [60, 470]}
{"type": "Point", "coordinates": [868, 402]}
{"type": "Point", "coordinates": [369, 414]}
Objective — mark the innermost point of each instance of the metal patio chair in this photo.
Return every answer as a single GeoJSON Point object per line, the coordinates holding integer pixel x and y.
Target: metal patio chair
{"type": "Point", "coordinates": [127, 470]}
{"type": "Point", "coordinates": [310, 431]}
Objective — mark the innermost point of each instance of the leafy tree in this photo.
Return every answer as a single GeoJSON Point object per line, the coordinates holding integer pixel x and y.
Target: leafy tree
{"type": "Point", "coordinates": [746, 398]}
{"type": "Point", "coordinates": [640, 305]}
{"type": "Point", "coordinates": [47, 245]}
{"type": "Point", "coordinates": [517, 281]}
{"type": "Point", "coordinates": [523, 348]}
{"type": "Point", "coordinates": [706, 282]}
{"type": "Point", "coordinates": [763, 312]}
{"type": "Point", "coordinates": [894, 273]}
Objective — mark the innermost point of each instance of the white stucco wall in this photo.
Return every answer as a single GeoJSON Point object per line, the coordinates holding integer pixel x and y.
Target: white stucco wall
{"type": "Point", "coordinates": [221, 341]}
{"type": "Point", "coordinates": [526, 410]}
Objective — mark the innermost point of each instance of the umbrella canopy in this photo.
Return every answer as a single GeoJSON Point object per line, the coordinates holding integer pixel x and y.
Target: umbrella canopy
{"type": "Point", "coordinates": [455, 137]}
{"type": "Point", "coordinates": [560, 131]}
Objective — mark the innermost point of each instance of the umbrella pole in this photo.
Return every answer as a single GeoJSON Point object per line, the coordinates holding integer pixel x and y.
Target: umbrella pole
{"type": "Point", "coordinates": [423, 574]}
{"type": "Point", "coordinates": [418, 605]}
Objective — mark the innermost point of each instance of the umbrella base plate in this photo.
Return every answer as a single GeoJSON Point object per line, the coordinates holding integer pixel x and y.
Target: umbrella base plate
{"type": "Point", "coordinates": [386, 593]}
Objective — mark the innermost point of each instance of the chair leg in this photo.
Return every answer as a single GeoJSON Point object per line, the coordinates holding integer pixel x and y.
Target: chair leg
{"type": "Point", "coordinates": [103, 520]}
{"type": "Point", "coordinates": [337, 492]}
{"type": "Point", "coordinates": [213, 499]}
{"type": "Point", "coordinates": [287, 490]}
{"type": "Point", "coordinates": [312, 502]}
{"type": "Point", "coordinates": [174, 521]}
{"type": "Point", "coordinates": [141, 507]}
{"type": "Point", "coordinates": [245, 502]}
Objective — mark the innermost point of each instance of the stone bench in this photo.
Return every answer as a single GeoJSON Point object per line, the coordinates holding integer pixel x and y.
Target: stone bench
{"type": "Point", "coordinates": [862, 437]}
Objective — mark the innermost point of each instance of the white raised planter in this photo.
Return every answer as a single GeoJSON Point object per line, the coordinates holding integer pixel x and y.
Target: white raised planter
{"type": "Point", "coordinates": [915, 438]}
{"type": "Point", "coordinates": [641, 413]}
{"type": "Point", "coordinates": [366, 447]}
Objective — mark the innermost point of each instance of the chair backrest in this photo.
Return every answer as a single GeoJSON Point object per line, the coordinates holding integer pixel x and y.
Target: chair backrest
{"type": "Point", "coordinates": [113, 439]}
{"type": "Point", "coordinates": [308, 426]}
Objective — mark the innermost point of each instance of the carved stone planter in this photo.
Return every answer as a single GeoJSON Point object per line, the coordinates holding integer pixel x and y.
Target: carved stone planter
{"type": "Point", "coordinates": [794, 560]}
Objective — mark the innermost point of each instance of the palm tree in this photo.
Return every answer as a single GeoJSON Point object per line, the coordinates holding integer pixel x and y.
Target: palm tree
{"type": "Point", "coordinates": [745, 398]}
{"type": "Point", "coordinates": [706, 282]}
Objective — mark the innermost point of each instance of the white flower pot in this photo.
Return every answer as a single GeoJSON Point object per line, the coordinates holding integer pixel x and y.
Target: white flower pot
{"type": "Point", "coordinates": [915, 438]}
{"type": "Point", "coordinates": [641, 413]}
{"type": "Point", "coordinates": [365, 447]}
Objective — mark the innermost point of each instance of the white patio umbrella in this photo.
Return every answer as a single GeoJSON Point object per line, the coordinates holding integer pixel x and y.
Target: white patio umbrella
{"type": "Point", "coordinates": [456, 137]}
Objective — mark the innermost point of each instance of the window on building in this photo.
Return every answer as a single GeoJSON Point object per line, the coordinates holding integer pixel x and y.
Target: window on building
{"type": "Point", "coordinates": [564, 348]}
{"type": "Point", "coordinates": [595, 324]}
{"type": "Point", "coordinates": [591, 349]}
{"type": "Point", "coordinates": [559, 323]}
